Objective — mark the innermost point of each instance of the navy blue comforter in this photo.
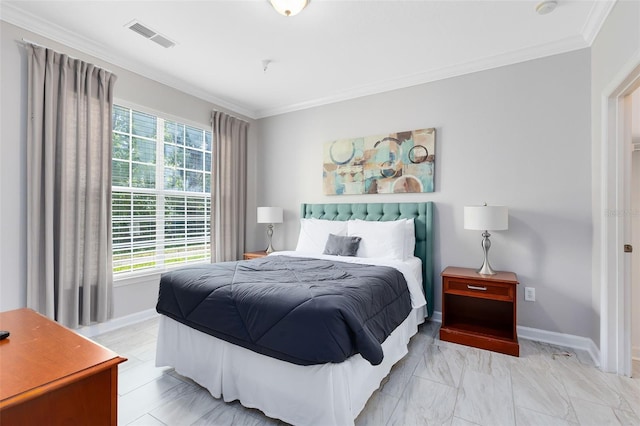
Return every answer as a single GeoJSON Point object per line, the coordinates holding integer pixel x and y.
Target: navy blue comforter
{"type": "Point", "coordinates": [300, 310]}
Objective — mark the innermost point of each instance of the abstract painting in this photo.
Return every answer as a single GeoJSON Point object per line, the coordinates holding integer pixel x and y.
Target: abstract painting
{"type": "Point", "coordinates": [383, 164]}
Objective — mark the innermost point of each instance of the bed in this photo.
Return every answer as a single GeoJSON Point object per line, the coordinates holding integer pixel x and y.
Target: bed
{"type": "Point", "coordinates": [327, 393]}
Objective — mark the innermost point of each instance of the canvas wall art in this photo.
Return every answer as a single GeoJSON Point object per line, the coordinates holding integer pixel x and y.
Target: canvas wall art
{"type": "Point", "coordinates": [383, 164]}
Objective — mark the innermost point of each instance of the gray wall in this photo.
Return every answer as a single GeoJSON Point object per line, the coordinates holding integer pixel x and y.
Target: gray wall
{"type": "Point", "coordinates": [517, 135]}
{"type": "Point", "coordinates": [130, 296]}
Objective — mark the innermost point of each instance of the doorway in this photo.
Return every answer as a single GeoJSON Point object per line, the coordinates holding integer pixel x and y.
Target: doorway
{"type": "Point", "coordinates": [635, 232]}
{"type": "Point", "coordinates": [615, 229]}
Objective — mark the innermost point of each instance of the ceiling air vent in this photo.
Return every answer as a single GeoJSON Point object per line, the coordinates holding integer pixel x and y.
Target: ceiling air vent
{"type": "Point", "coordinates": [141, 29]}
{"type": "Point", "coordinates": [162, 41]}
{"type": "Point", "coordinates": [150, 34]}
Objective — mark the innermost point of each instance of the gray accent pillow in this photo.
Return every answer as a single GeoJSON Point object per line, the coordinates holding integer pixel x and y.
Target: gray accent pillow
{"type": "Point", "coordinates": [338, 245]}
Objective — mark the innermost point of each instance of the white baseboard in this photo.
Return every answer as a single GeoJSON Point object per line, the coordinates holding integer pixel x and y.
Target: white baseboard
{"type": "Point", "coordinates": [437, 316]}
{"type": "Point", "coordinates": [560, 339]}
{"type": "Point", "coordinates": [116, 323]}
{"type": "Point", "coordinates": [635, 353]}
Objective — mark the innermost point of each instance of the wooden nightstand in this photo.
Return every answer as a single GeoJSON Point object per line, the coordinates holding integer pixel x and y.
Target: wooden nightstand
{"type": "Point", "coordinates": [254, 255]}
{"type": "Point", "coordinates": [480, 310]}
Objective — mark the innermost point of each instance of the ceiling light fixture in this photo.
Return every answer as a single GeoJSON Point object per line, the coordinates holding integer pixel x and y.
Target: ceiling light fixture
{"type": "Point", "coordinates": [289, 7]}
{"type": "Point", "coordinates": [546, 7]}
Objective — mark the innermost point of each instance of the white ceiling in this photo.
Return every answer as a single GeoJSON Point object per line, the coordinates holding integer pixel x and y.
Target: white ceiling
{"type": "Point", "coordinates": [331, 51]}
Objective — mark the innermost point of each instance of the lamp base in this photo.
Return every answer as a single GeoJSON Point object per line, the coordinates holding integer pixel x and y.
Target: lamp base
{"type": "Point", "coordinates": [269, 249]}
{"type": "Point", "coordinates": [486, 269]}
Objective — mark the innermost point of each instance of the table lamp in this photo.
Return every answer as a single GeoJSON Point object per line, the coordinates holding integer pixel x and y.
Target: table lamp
{"type": "Point", "coordinates": [270, 215]}
{"type": "Point", "coordinates": [486, 218]}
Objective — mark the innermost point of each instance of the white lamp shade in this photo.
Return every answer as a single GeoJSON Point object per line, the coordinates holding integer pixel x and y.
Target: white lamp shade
{"type": "Point", "coordinates": [269, 214]}
{"type": "Point", "coordinates": [289, 7]}
{"type": "Point", "coordinates": [486, 218]}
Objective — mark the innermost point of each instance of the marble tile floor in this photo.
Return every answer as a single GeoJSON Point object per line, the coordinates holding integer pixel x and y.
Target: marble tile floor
{"type": "Point", "coordinates": [437, 383]}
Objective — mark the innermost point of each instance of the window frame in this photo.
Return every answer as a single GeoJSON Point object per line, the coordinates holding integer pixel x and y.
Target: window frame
{"type": "Point", "coordinates": [143, 275]}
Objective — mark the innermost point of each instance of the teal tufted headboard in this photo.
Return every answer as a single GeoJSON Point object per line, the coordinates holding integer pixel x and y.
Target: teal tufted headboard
{"type": "Point", "coordinates": [422, 213]}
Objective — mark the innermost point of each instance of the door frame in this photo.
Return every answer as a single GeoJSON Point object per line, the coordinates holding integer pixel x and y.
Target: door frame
{"type": "Point", "coordinates": [614, 227]}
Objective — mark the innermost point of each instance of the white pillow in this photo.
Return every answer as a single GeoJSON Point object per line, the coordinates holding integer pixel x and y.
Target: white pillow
{"type": "Point", "coordinates": [379, 239]}
{"type": "Point", "coordinates": [409, 239]}
{"type": "Point", "coordinates": [315, 232]}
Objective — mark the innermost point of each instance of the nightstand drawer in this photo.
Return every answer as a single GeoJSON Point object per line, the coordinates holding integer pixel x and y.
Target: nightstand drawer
{"type": "Point", "coordinates": [472, 288]}
{"type": "Point", "coordinates": [254, 255]}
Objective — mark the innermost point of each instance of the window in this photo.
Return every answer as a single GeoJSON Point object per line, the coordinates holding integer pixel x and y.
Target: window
{"type": "Point", "coordinates": [161, 200]}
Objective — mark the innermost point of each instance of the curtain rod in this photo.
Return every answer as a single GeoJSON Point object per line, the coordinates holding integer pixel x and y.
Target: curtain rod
{"type": "Point", "coordinates": [230, 115]}
{"type": "Point", "coordinates": [26, 41]}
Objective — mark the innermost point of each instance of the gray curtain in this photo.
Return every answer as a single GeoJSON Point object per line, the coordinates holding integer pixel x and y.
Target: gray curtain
{"type": "Point", "coordinates": [69, 263]}
{"type": "Point", "coordinates": [228, 187]}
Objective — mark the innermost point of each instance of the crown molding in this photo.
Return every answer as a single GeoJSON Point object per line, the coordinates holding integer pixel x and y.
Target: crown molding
{"type": "Point", "coordinates": [598, 14]}
{"type": "Point", "coordinates": [511, 58]}
{"type": "Point", "coordinates": [16, 16]}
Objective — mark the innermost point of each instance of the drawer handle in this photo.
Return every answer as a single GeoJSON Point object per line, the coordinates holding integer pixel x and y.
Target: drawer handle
{"type": "Point", "coordinates": [475, 287]}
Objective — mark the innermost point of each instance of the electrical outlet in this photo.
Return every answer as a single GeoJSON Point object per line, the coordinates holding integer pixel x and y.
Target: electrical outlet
{"type": "Point", "coordinates": [530, 294]}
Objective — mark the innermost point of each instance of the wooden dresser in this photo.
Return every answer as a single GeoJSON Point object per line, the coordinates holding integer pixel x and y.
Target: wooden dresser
{"type": "Point", "coordinates": [51, 375]}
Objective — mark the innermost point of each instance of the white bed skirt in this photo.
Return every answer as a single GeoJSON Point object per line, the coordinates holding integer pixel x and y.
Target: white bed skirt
{"type": "Point", "coordinates": [326, 394]}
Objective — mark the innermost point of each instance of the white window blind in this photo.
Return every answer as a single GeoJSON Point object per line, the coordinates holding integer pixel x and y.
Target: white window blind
{"type": "Point", "coordinates": [161, 200]}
